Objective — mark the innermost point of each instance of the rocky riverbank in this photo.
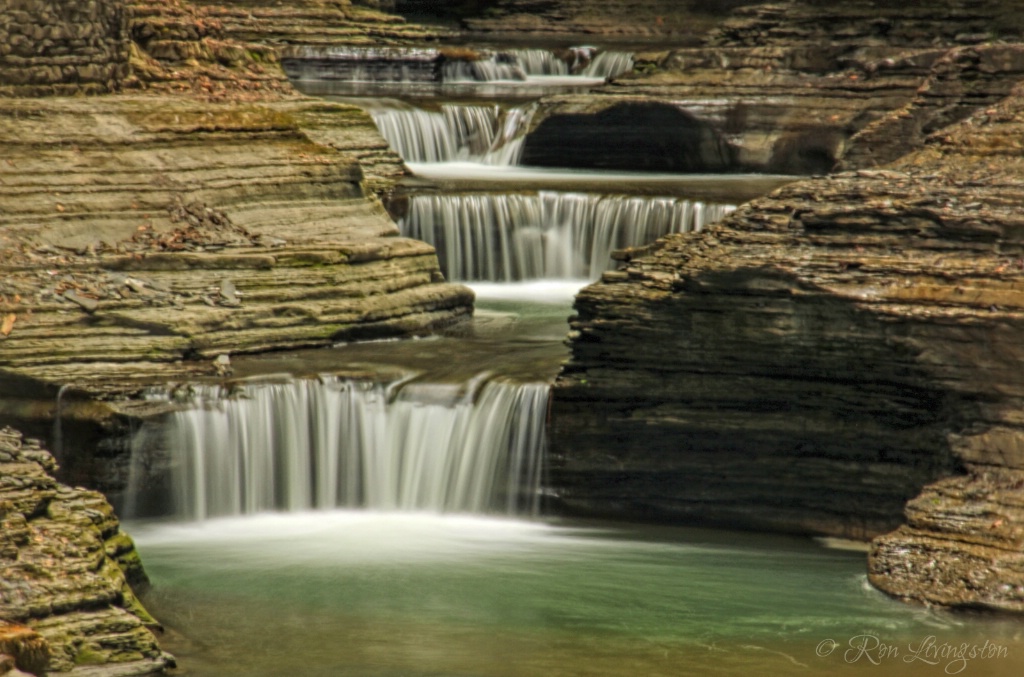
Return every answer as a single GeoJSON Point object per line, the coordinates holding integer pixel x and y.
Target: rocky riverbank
{"type": "Point", "coordinates": [66, 571]}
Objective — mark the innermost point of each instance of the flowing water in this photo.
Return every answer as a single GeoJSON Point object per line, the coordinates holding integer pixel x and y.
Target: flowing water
{"type": "Point", "coordinates": [547, 235]}
{"type": "Point", "coordinates": [375, 509]}
{"type": "Point", "coordinates": [324, 443]}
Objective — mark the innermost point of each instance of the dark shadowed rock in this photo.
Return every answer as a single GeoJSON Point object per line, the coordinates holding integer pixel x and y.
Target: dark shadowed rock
{"type": "Point", "coordinates": [824, 354]}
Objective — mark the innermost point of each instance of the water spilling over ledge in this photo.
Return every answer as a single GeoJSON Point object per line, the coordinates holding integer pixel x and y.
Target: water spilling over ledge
{"type": "Point", "coordinates": [548, 235]}
{"type": "Point", "coordinates": [406, 65]}
{"type": "Point", "coordinates": [323, 443]}
{"type": "Point", "coordinates": [486, 134]}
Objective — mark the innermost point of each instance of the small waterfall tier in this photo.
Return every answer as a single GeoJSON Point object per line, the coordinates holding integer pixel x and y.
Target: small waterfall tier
{"type": "Point", "coordinates": [585, 63]}
{"type": "Point", "coordinates": [438, 66]}
{"type": "Point", "coordinates": [486, 134]}
{"type": "Point", "coordinates": [550, 235]}
{"type": "Point", "coordinates": [327, 443]}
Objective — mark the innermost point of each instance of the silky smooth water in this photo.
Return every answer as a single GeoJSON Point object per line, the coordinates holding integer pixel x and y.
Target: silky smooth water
{"type": "Point", "coordinates": [366, 594]}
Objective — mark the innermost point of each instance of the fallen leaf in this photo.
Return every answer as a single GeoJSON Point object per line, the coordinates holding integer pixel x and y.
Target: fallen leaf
{"type": "Point", "coordinates": [8, 324]}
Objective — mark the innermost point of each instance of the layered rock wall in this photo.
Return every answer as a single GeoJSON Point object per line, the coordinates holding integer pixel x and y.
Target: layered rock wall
{"type": "Point", "coordinates": [65, 569]}
{"type": "Point", "coordinates": [53, 47]}
{"type": "Point", "coordinates": [821, 356]}
{"type": "Point", "coordinates": [788, 88]}
{"type": "Point", "coordinates": [136, 238]}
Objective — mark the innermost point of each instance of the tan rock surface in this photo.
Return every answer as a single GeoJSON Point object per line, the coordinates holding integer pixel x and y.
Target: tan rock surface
{"type": "Point", "coordinates": [65, 603]}
{"type": "Point", "coordinates": [123, 218]}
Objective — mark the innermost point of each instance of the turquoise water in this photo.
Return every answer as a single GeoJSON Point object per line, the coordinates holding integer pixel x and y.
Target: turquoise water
{"type": "Point", "coordinates": [381, 595]}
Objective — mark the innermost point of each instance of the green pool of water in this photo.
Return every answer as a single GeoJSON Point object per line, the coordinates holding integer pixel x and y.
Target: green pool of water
{"type": "Point", "coordinates": [385, 595]}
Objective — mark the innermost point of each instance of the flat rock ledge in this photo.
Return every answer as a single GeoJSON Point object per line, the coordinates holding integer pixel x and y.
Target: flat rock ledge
{"type": "Point", "coordinates": [841, 357]}
{"type": "Point", "coordinates": [144, 237]}
{"type": "Point", "coordinates": [66, 570]}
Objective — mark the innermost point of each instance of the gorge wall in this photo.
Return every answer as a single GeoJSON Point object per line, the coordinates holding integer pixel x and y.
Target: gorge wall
{"type": "Point", "coordinates": [787, 87]}
{"type": "Point", "coordinates": [820, 357]}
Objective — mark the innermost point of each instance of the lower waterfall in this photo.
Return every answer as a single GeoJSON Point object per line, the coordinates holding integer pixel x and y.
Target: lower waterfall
{"type": "Point", "coordinates": [326, 443]}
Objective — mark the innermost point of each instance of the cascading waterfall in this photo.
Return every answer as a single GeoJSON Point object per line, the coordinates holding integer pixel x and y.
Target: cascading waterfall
{"type": "Point", "coordinates": [415, 65]}
{"type": "Point", "coordinates": [328, 442]}
{"type": "Point", "coordinates": [608, 65]}
{"type": "Point", "coordinates": [508, 237]}
{"type": "Point", "coordinates": [520, 64]}
{"type": "Point", "coordinates": [539, 62]}
{"type": "Point", "coordinates": [486, 134]}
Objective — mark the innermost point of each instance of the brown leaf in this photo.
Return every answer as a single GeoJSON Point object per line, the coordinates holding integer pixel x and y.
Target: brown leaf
{"type": "Point", "coordinates": [8, 324]}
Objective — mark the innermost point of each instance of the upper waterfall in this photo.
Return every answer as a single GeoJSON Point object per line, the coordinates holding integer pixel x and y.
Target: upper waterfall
{"type": "Point", "coordinates": [328, 442]}
{"type": "Point", "coordinates": [551, 234]}
{"type": "Point", "coordinates": [582, 65]}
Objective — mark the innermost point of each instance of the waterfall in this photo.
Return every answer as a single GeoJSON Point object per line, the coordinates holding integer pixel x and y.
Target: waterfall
{"type": "Point", "coordinates": [326, 443]}
{"type": "Point", "coordinates": [521, 64]}
{"type": "Point", "coordinates": [415, 65]}
{"type": "Point", "coordinates": [507, 237]}
{"type": "Point", "coordinates": [485, 134]}
{"type": "Point", "coordinates": [512, 64]}
{"type": "Point", "coordinates": [608, 65]}
{"type": "Point", "coordinates": [362, 64]}
{"type": "Point", "coordinates": [491, 69]}
{"type": "Point", "coordinates": [539, 62]}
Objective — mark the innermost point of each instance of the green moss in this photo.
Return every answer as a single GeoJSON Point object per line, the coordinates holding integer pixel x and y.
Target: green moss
{"type": "Point", "coordinates": [90, 656]}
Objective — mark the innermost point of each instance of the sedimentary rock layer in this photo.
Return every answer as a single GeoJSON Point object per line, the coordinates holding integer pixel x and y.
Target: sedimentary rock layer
{"type": "Point", "coordinates": [680, 21]}
{"type": "Point", "coordinates": [785, 87]}
{"type": "Point", "coordinates": [65, 569]}
{"type": "Point", "coordinates": [136, 237]}
{"type": "Point", "coordinates": [311, 22]}
{"type": "Point", "coordinates": [819, 357]}
{"type": "Point", "coordinates": [54, 47]}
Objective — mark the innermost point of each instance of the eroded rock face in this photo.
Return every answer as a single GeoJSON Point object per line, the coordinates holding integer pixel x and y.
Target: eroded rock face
{"type": "Point", "coordinates": [795, 87]}
{"type": "Point", "coordinates": [680, 21]}
{"type": "Point", "coordinates": [53, 47]}
{"type": "Point", "coordinates": [136, 238]}
{"type": "Point", "coordinates": [65, 569]}
{"type": "Point", "coordinates": [819, 357]}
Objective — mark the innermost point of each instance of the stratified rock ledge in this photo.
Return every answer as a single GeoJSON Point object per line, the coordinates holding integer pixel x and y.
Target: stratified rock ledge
{"type": "Point", "coordinates": [66, 606]}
